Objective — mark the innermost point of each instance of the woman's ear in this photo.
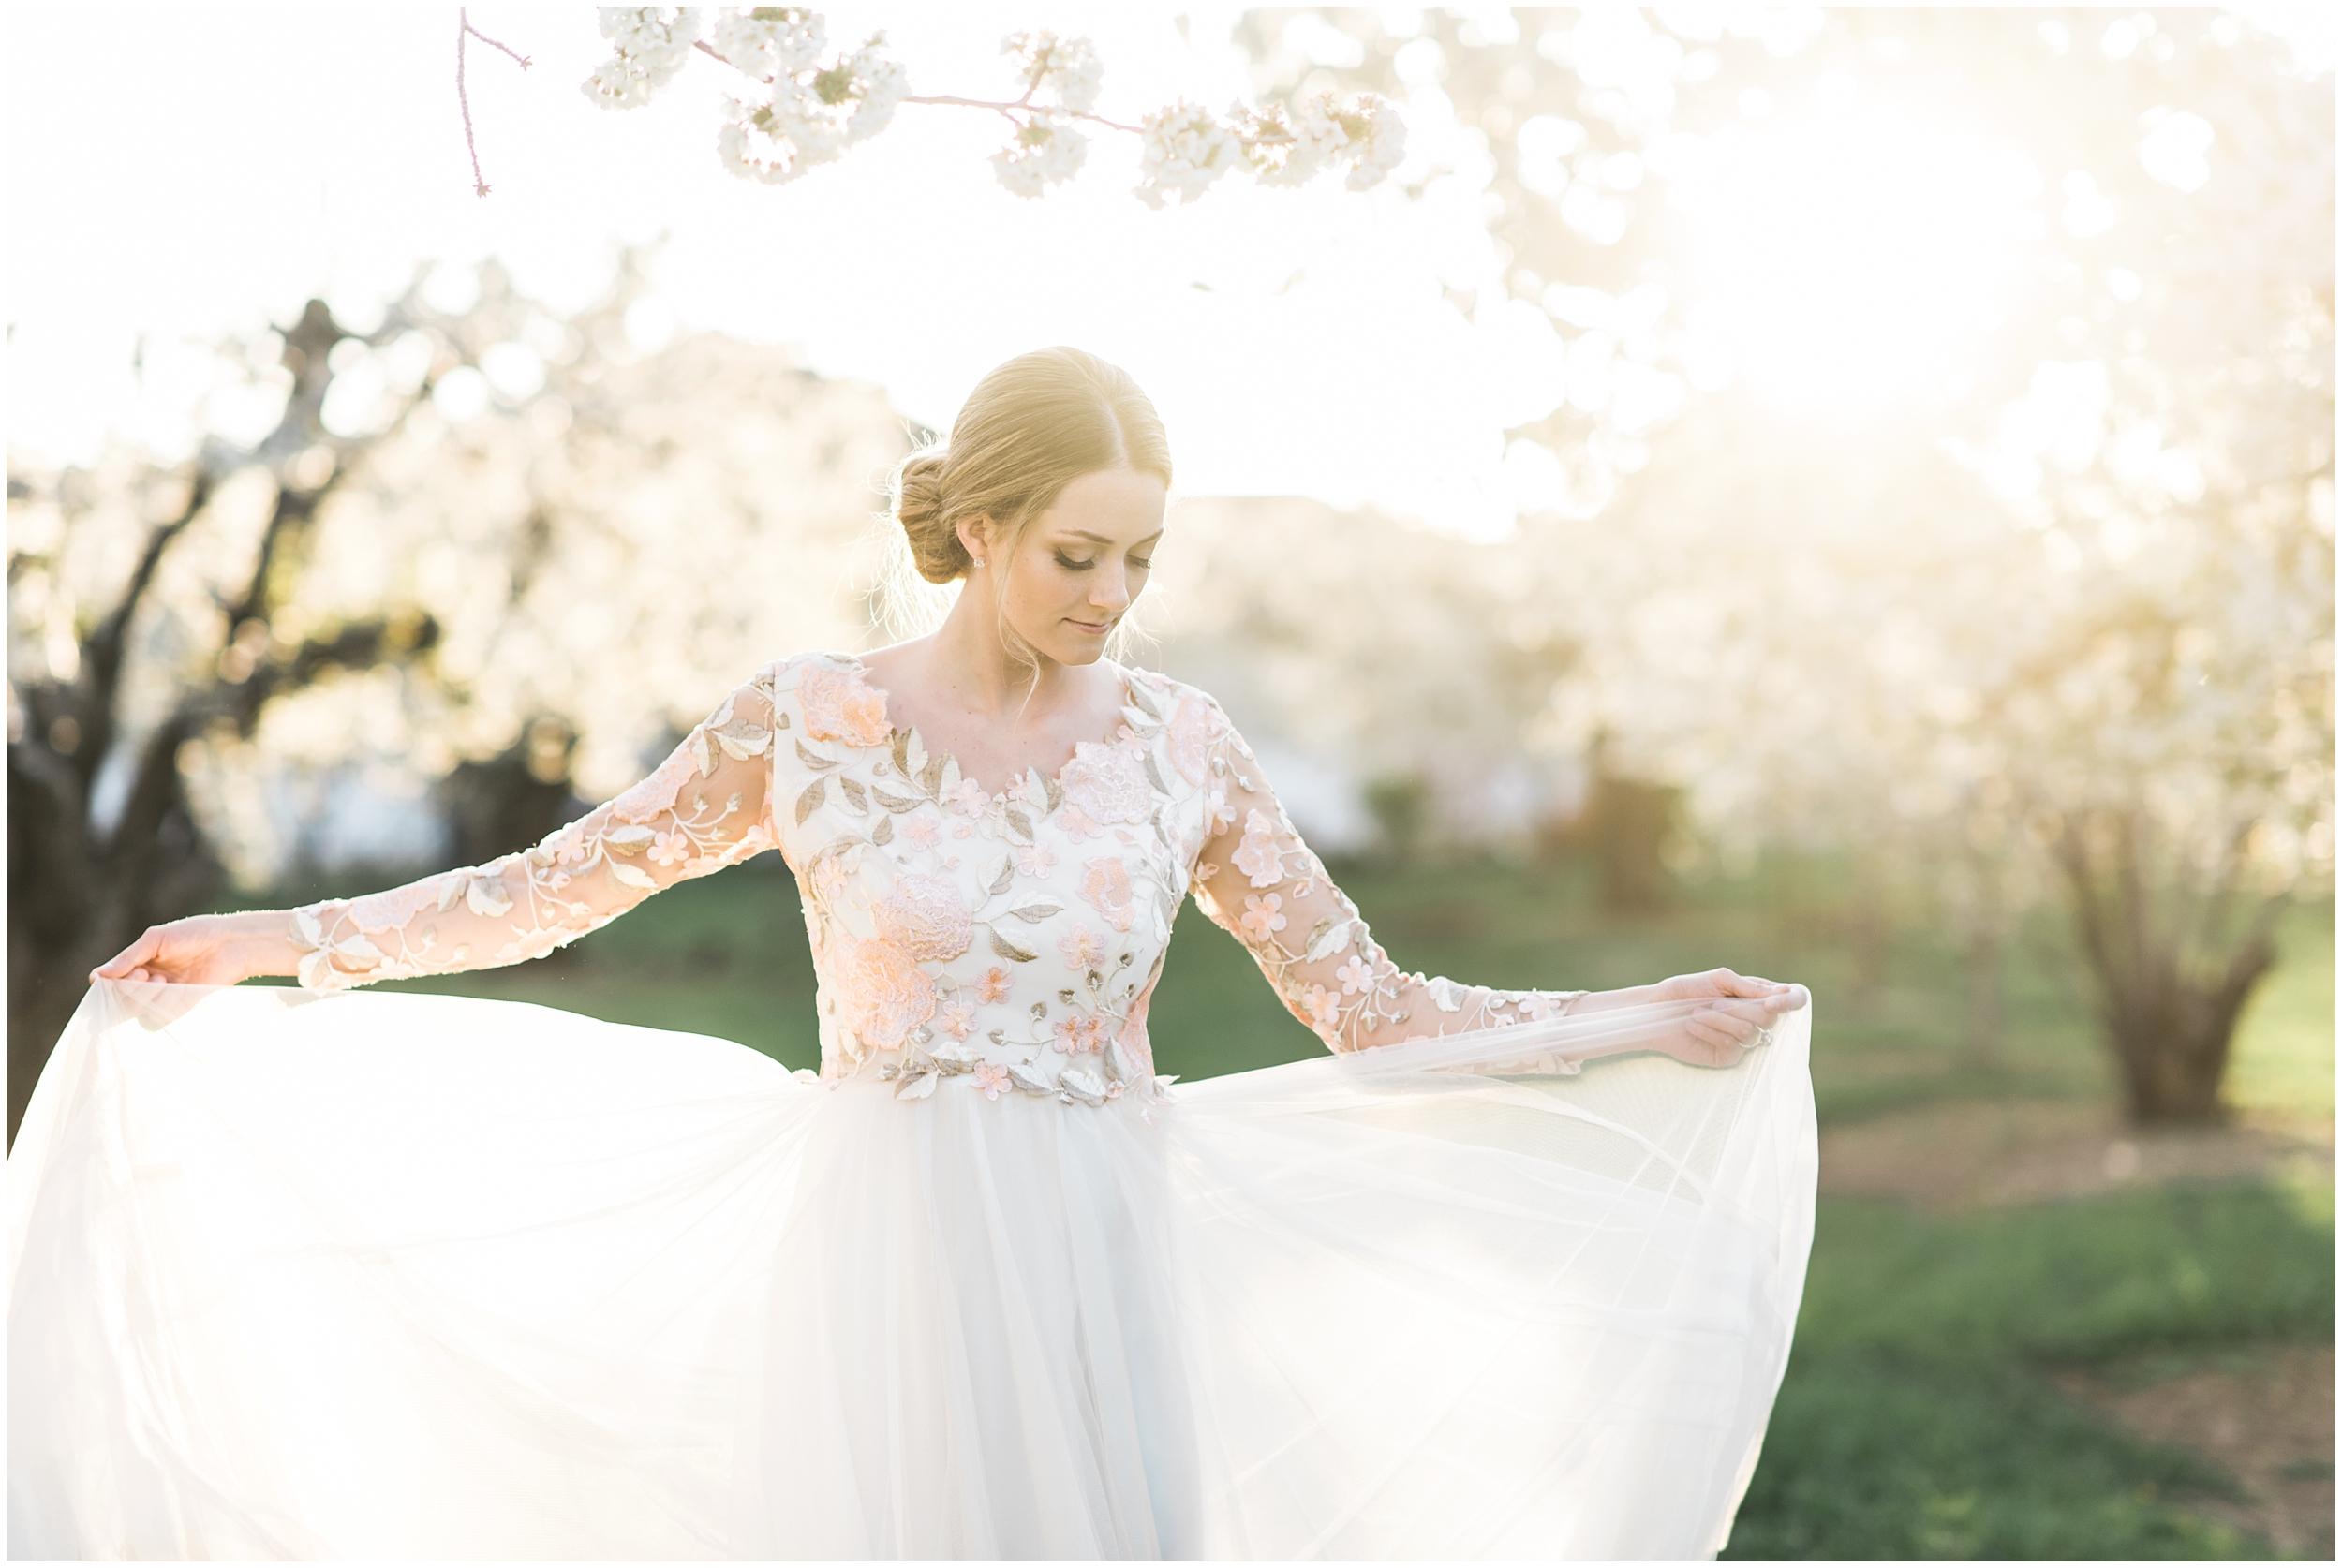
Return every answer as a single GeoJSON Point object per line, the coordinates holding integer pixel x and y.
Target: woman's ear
{"type": "Point", "coordinates": [975, 537]}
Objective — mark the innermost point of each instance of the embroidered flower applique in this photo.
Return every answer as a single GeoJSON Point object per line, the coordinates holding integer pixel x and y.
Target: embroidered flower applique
{"type": "Point", "coordinates": [839, 705]}
{"type": "Point", "coordinates": [923, 916]}
{"type": "Point", "coordinates": [1107, 887]}
{"type": "Point", "coordinates": [1108, 783]}
{"type": "Point", "coordinates": [1084, 948]}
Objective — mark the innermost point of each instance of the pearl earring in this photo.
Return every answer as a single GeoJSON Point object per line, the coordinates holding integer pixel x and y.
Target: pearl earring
{"type": "Point", "coordinates": [979, 560]}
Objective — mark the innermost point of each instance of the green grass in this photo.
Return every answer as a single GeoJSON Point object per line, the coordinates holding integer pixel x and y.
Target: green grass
{"type": "Point", "coordinates": [2284, 1051]}
{"type": "Point", "coordinates": [1916, 1419]}
{"type": "Point", "coordinates": [1919, 1417]}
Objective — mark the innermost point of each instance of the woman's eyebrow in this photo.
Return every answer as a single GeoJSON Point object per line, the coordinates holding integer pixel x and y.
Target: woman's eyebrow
{"type": "Point", "coordinates": [1100, 538]}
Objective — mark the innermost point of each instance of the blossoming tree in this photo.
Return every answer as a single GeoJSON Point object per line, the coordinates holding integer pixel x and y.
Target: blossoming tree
{"type": "Point", "coordinates": [476, 523]}
{"type": "Point", "coordinates": [2058, 610]}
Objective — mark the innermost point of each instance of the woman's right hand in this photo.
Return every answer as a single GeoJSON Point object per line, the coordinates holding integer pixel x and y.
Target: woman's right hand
{"type": "Point", "coordinates": [207, 950]}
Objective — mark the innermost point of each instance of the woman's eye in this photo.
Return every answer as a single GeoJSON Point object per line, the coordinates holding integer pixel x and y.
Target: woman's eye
{"type": "Point", "coordinates": [1071, 564]}
{"type": "Point", "coordinates": [1146, 565]}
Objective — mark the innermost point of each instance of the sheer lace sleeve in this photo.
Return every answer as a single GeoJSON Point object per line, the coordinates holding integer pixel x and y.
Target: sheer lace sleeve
{"type": "Point", "coordinates": [706, 807]}
{"type": "Point", "coordinates": [1257, 880]}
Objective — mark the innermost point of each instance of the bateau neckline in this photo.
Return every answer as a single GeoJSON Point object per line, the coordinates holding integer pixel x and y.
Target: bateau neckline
{"type": "Point", "coordinates": [1121, 674]}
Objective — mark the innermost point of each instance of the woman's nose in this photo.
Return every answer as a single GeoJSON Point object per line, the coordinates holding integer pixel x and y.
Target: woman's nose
{"type": "Point", "coordinates": [1112, 590]}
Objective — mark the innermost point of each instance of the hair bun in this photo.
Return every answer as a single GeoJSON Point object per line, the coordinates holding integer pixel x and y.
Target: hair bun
{"type": "Point", "coordinates": [919, 506]}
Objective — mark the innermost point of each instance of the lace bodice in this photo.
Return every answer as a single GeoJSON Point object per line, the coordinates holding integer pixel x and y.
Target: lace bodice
{"type": "Point", "coordinates": [1009, 941]}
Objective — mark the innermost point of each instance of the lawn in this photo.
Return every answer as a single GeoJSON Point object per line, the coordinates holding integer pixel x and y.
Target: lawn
{"type": "Point", "coordinates": [1922, 1414]}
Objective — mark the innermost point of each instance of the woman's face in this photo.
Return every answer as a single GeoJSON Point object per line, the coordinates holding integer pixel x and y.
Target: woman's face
{"type": "Point", "coordinates": [1081, 563]}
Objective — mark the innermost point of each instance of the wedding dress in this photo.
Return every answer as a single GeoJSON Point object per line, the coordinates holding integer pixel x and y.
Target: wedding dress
{"type": "Point", "coordinates": [318, 1273]}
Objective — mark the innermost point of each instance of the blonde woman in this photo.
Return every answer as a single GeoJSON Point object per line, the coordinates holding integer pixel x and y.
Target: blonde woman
{"type": "Point", "coordinates": [299, 1272]}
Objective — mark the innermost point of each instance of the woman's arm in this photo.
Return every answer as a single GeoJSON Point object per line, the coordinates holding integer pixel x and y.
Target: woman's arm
{"type": "Point", "coordinates": [705, 807]}
{"type": "Point", "coordinates": [1258, 878]}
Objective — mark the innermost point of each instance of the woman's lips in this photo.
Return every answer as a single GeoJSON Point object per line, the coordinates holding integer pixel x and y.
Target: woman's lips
{"type": "Point", "coordinates": [1097, 629]}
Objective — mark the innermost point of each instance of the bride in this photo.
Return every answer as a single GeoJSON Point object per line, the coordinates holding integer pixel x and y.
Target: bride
{"type": "Point", "coordinates": [303, 1274]}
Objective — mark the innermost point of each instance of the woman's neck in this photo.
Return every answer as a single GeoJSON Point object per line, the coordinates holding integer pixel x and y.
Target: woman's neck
{"type": "Point", "coordinates": [974, 671]}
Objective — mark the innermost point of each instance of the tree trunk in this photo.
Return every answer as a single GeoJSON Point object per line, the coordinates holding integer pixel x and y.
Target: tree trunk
{"type": "Point", "coordinates": [1628, 822]}
{"type": "Point", "coordinates": [2171, 981]}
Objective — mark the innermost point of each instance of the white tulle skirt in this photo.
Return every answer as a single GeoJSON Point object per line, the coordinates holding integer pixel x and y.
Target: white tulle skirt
{"type": "Point", "coordinates": [400, 1276]}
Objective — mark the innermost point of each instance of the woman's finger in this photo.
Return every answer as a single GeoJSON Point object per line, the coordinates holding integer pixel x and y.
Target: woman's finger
{"type": "Point", "coordinates": [126, 964]}
{"type": "Point", "coordinates": [1745, 1016]}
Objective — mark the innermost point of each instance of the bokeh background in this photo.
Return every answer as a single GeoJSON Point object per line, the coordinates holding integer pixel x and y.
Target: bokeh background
{"type": "Point", "coordinates": [1843, 493]}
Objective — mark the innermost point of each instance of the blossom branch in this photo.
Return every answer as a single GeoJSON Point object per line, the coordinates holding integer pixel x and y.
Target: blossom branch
{"type": "Point", "coordinates": [464, 32]}
{"type": "Point", "coordinates": [804, 107]}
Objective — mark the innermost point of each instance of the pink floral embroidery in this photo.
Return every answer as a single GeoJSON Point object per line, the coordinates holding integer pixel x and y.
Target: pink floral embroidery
{"type": "Point", "coordinates": [829, 881]}
{"type": "Point", "coordinates": [923, 916]}
{"type": "Point", "coordinates": [1079, 1032]}
{"type": "Point", "coordinates": [1193, 729]}
{"type": "Point", "coordinates": [1108, 782]}
{"type": "Point", "coordinates": [994, 985]}
{"type": "Point", "coordinates": [1084, 948]}
{"type": "Point", "coordinates": [1356, 977]}
{"type": "Point", "coordinates": [1133, 1039]}
{"type": "Point", "coordinates": [1075, 823]}
{"type": "Point", "coordinates": [957, 1020]}
{"type": "Point", "coordinates": [1035, 860]}
{"type": "Point", "coordinates": [921, 830]}
{"type": "Point", "coordinates": [838, 705]}
{"type": "Point", "coordinates": [1257, 857]}
{"type": "Point", "coordinates": [968, 798]}
{"type": "Point", "coordinates": [374, 913]}
{"type": "Point", "coordinates": [990, 1079]}
{"type": "Point", "coordinates": [1261, 918]}
{"type": "Point", "coordinates": [1216, 809]}
{"type": "Point", "coordinates": [669, 848]}
{"type": "Point", "coordinates": [883, 995]}
{"type": "Point", "coordinates": [1106, 885]}
{"type": "Point", "coordinates": [655, 795]}
{"type": "Point", "coordinates": [1323, 1009]}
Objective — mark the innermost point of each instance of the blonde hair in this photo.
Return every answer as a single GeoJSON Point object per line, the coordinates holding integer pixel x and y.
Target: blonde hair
{"type": "Point", "coordinates": [1030, 428]}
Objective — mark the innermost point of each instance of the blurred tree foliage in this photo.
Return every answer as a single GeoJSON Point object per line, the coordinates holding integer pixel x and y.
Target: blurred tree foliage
{"type": "Point", "coordinates": [2060, 618]}
{"type": "Point", "coordinates": [485, 542]}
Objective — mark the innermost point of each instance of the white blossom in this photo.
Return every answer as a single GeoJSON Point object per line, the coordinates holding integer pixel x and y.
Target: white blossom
{"type": "Point", "coordinates": [1067, 69]}
{"type": "Point", "coordinates": [1378, 146]}
{"type": "Point", "coordinates": [801, 120]}
{"type": "Point", "coordinates": [1292, 146]}
{"type": "Point", "coordinates": [1183, 149]}
{"type": "Point", "coordinates": [770, 41]}
{"type": "Point", "coordinates": [650, 43]}
{"type": "Point", "coordinates": [1047, 151]}
{"type": "Point", "coordinates": [878, 84]}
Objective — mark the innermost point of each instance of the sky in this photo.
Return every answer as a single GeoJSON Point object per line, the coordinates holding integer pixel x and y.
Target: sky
{"type": "Point", "coordinates": [192, 171]}
{"type": "Point", "coordinates": [188, 173]}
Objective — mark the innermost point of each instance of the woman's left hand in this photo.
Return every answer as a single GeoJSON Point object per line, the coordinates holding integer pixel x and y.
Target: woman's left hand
{"type": "Point", "coordinates": [1745, 1009]}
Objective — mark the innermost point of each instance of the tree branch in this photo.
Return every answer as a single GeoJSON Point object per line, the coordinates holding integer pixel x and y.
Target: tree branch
{"type": "Point", "coordinates": [464, 29]}
{"type": "Point", "coordinates": [1009, 109]}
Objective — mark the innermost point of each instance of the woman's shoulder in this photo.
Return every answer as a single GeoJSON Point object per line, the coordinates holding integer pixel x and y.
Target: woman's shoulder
{"type": "Point", "coordinates": [787, 670]}
{"type": "Point", "coordinates": [1174, 696]}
